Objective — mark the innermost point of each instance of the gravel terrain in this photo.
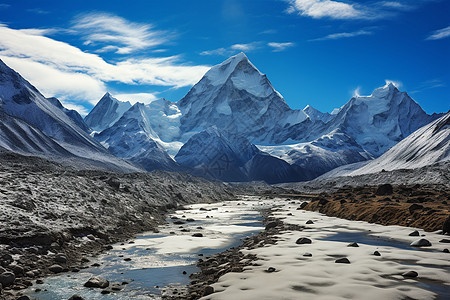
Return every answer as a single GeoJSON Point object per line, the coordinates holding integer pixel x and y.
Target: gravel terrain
{"type": "Point", "coordinates": [53, 217]}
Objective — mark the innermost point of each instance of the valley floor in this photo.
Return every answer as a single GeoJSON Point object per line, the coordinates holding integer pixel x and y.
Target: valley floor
{"type": "Point", "coordinates": [307, 254]}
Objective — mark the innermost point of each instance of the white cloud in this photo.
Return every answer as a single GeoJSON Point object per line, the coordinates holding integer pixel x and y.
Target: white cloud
{"type": "Point", "coordinates": [218, 51]}
{"type": "Point", "coordinates": [356, 92]}
{"type": "Point", "coordinates": [244, 47]}
{"type": "Point", "coordinates": [125, 36]}
{"type": "Point", "coordinates": [340, 35]}
{"type": "Point", "coordinates": [440, 34]}
{"type": "Point", "coordinates": [136, 97]}
{"type": "Point", "coordinates": [58, 68]}
{"type": "Point", "coordinates": [233, 49]}
{"type": "Point", "coordinates": [81, 109]}
{"type": "Point", "coordinates": [51, 81]}
{"type": "Point", "coordinates": [278, 47]}
{"type": "Point", "coordinates": [326, 8]}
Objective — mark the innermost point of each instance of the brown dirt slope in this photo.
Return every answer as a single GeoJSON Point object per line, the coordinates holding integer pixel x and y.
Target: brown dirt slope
{"type": "Point", "coordinates": [424, 207]}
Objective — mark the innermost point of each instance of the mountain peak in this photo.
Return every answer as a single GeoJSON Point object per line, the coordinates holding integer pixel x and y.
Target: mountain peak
{"type": "Point", "coordinates": [220, 73]}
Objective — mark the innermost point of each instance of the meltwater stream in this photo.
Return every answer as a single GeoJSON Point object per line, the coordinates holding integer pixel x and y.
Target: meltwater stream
{"type": "Point", "coordinates": [152, 261]}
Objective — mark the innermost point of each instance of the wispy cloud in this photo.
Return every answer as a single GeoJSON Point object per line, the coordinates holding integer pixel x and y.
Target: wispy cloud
{"type": "Point", "coordinates": [429, 84]}
{"type": "Point", "coordinates": [233, 49]}
{"type": "Point", "coordinates": [341, 35]}
{"type": "Point", "coordinates": [38, 11]}
{"type": "Point", "coordinates": [136, 97]}
{"type": "Point", "coordinates": [278, 47]}
{"type": "Point", "coordinates": [117, 34]}
{"type": "Point", "coordinates": [350, 9]}
{"type": "Point", "coordinates": [327, 8]}
{"type": "Point", "coordinates": [72, 72]}
{"type": "Point", "coordinates": [439, 34]}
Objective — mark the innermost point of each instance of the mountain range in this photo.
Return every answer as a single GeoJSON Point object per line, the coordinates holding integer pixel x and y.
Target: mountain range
{"type": "Point", "coordinates": [232, 125]}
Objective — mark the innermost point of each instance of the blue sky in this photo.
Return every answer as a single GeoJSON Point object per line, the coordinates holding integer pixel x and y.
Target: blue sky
{"type": "Point", "coordinates": [317, 52]}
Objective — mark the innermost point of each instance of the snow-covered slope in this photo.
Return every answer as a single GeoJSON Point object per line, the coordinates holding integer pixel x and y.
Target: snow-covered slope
{"type": "Point", "coordinates": [230, 157]}
{"type": "Point", "coordinates": [73, 114]}
{"type": "Point", "coordinates": [19, 137]}
{"type": "Point", "coordinates": [426, 146]}
{"type": "Point", "coordinates": [20, 100]}
{"type": "Point", "coordinates": [106, 112]}
{"type": "Point", "coordinates": [321, 155]}
{"type": "Point", "coordinates": [236, 97]}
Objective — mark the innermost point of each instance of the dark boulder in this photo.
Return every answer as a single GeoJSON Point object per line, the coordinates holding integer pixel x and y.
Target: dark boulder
{"type": "Point", "coordinates": [384, 190]}
{"type": "Point", "coordinates": [303, 241]}
{"type": "Point", "coordinates": [97, 282]}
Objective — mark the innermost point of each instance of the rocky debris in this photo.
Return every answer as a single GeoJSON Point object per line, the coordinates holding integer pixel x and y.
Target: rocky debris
{"type": "Point", "coordinates": [412, 206]}
{"type": "Point", "coordinates": [343, 260]}
{"type": "Point", "coordinates": [270, 270]}
{"type": "Point", "coordinates": [97, 282]}
{"type": "Point", "coordinates": [7, 278]}
{"type": "Point", "coordinates": [446, 250]}
{"type": "Point", "coordinates": [69, 214]}
{"type": "Point", "coordinates": [414, 233]}
{"type": "Point", "coordinates": [302, 206]}
{"type": "Point", "coordinates": [446, 226]}
{"type": "Point", "coordinates": [384, 190]}
{"type": "Point", "coordinates": [376, 253]}
{"type": "Point", "coordinates": [208, 290]}
{"type": "Point", "coordinates": [309, 222]}
{"type": "Point", "coordinates": [421, 243]}
{"type": "Point", "coordinates": [354, 244]}
{"type": "Point", "coordinates": [410, 274]}
{"type": "Point", "coordinates": [444, 241]}
{"type": "Point", "coordinates": [76, 297]}
{"type": "Point", "coordinates": [197, 234]}
{"type": "Point", "coordinates": [307, 254]}
{"type": "Point", "coordinates": [56, 268]}
{"type": "Point", "coordinates": [271, 225]}
{"type": "Point", "coordinates": [301, 241]}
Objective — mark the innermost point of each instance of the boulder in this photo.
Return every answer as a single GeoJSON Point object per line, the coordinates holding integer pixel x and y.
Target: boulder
{"type": "Point", "coordinates": [271, 225]}
{"type": "Point", "coordinates": [97, 282]}
{"type": "Point", "coordinates": [354, 244]}
{"type": "Point", "coordinates": [446, 226]}
{"type": "Point", "coordinates": [309, 222]}
{"type": "Point", "coordinates": [56, 268]}
{"type": "Point", "coordinates": [208, 290]}
{"type": "Point", "coordinates": [197, 235]}
{"type": "Point", "coordinates": [384, 190]}
{"type": "Point", "coordinates": [343, 260]}
{"type": "Point", "coordinates": [414, 233]}
{"type": "Point", "coordinates": [7, 278]}
{"type": "Point", "coordinates": [410, 274]}
{"type": "Point", "coordinates": [303, 241]}
{"type": "Point", "coordinates": [76, 297]}
{"type": "Point", "coordinates": [421, 243]}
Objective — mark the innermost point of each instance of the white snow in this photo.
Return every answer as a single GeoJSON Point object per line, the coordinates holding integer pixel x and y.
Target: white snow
{"type": "Point", "coordinates": [319, 277]}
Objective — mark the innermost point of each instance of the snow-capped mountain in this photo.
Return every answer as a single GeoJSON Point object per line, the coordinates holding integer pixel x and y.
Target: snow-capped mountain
{"type": "Point", "coordinates": [379, 121]}
{"type": "Point", "coordinates": [321, 155]}
{"type": "Point", "coordinates": [230, 157]}
{"type": "Point", "coordinates": [239, 100]}
{"type": "Point", "coordinates": [107, 112]}
{"type": "Point", "coordinates": [20, 100]}
{"type": "Point", "coordinates": [315, 114]}
{"type": "Point", "coordinates": [428, 145]}
{"type": "Point", "coordinates": [235, 96]}
{"type": "Point", "coordinates": [142, 134]}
